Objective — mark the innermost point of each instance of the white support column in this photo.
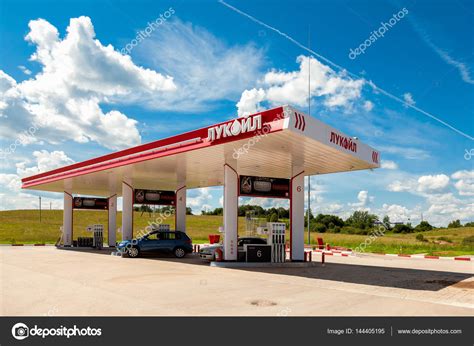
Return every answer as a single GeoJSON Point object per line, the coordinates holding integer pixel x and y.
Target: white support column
{"type": "Point", "coordinates": [180, 212]}
{"type": "Point", "coordinates": [67, 219]}
{"type": "Point", "coordinates": [297, 216]}
{"type": "Point", "coordinates": [230, 213]}
{"type": "Point", "coordinates": [127, 210]}
{"type": "Point", "coordinates": [111, 228]}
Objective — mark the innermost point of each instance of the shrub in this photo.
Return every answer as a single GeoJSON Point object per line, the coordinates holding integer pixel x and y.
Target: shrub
{"type": "Point", "coordinates": [423, 226]}
{"type": "Point", "coordinates": [469, 224]}
{"type": "Point", "coordinates": [402, 228]}
{"type": "Point", "coordinates": [274, 217]}
{"type": "Point", "coordinates": [355, 230]}
{"type": "Point", "coordinates": [468, 241]}
{"type": "Point", "coordinates": [336, 229]}
{"type": "Point", "coordinates": [318, 227]}
{"type": "Point", "coordinates": [420, 237]}
{"type": "Point", "coordinates": [349, 230]}
{"type": "Point", "coordinates": [445, 239]}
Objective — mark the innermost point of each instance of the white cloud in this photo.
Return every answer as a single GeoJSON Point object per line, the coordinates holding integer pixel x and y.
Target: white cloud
{"type": "Point", "coordinates": [446, 207]}
{"type": "Point", "coordinates": [399, 213]}
{"type": "Point", "coordinates": [408, 98]}
{"type": "Point", "coordinates": [44, 161]}
{"type": "Point", "coordinates": [387, 164]}
{"type": "Point", "coordinates": [364, 200]}
{"type": "Point", "coordinates": [12, 197]}
{"type": "Point", "coordinates": [199, 199]}
{"type": "Point", "coordinates": [11, 181]}
{"type": "Point", "coordinates": [24, 70]}
{"type": "Point", "coordinates": [250, 101]}
{"type": "Point", "coordinates": [465, 182]}
{"type": "Point", "coordinates": [424, 184]}
{"type": "Point", "coordinates": [368, 106]}
{"type": "Point", "coordinates": [429, 183]}
{"type": "Point", "coordinates": [442, 206]}
{"type": "Point", "coordinates": [265, 202]}
{"type": "Point", "coordinates": [78, 75]}
{"type": "Point", "coordinates": [278, 87]}
{"type": "Point", "coordinates": [204, 68]}
{"type": "Point", "coordinates": [406, 152]}
{"type": "Point", "coordinates": [464, 174]}
{"type": "Point", "coordinates": [399, 186]}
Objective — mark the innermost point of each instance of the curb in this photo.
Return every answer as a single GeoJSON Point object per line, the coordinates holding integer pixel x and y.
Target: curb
{"type": "Point", "coordinates": [334, 253]}
{"type": "Point", "coordinates": [27, 244]}
{"type": "Point", "coordinates": [428, 257]}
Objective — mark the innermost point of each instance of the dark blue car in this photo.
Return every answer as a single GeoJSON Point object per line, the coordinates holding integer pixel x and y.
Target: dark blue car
{"type": "Point", "coordinates": [172, 242]}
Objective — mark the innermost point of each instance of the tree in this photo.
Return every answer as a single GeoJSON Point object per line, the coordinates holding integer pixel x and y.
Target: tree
{"type": "Point", "coordinates": [317, 227]}
{"type": "Point", "coordinates": [361, 219]}
{"type": "Point", "coordinates": [469, 224]}
{"type": "Point", "coordinates": [273, 217]}
{"type": "Point", "coordinates": [189, 211]}
{"type": "Point", "coordinates": [284, 213]}
{"type": "Point", "coordinates": [402, 228]}
{"type": "Point", "coordinates": [386, 222]}
{"type": "Point", "coordinates": [423, 226]}
{"type": "Point", "coordinates": [311, 217]}
{"type": "Point", "coordinates": [454, 224]}
{"type": "Point", "coordinates": [330, 221]}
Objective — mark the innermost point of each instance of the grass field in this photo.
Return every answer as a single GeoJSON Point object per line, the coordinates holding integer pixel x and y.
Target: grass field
{"type": "Point", "coordinates": [23, 226]}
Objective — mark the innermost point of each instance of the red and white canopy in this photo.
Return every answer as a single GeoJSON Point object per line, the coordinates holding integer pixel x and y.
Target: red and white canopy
{"type": "Point", "coordinates": [265, 144]}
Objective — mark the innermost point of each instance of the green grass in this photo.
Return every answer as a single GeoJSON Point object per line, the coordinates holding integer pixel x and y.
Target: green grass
{"type": "Point", "coordinates": [23, 226]}
{"type": "Point", "coordinates": [407, 243]}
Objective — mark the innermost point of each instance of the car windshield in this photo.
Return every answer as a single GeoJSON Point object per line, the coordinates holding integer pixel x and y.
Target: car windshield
{"type": "Point", "coordinates": [149, 235]}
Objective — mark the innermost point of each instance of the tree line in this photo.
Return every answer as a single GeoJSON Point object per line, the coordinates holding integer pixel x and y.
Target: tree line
{"type": "Point", "coordinates": [360, 222]}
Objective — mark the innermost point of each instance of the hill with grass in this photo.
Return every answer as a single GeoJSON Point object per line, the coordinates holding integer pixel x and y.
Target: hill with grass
{"type": "Point", "coordinates": [24, 226]}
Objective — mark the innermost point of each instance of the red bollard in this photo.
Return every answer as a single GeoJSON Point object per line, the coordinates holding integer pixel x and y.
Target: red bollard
{"type": "Point", "coordinates": [219, 255]}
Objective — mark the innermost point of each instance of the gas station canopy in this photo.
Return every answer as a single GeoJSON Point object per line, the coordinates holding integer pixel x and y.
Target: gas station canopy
{"type": "Point", "coordinates": [267, 144]}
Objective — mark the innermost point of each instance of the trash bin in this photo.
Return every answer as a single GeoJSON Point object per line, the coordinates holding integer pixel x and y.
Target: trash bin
{"type": "Point", "coordinates": [214, 238]}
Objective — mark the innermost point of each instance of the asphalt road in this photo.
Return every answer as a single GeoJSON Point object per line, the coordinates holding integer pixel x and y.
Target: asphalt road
{"type": "Point", "coordinates": [42, 281]}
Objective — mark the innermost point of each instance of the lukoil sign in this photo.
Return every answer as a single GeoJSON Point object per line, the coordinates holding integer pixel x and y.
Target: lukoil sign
{"type": "Point", "coordinates": [235, 128]}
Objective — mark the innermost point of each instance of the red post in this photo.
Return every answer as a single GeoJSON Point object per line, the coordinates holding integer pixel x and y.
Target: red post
{"type": "Point", "coordinates": [219, 255]}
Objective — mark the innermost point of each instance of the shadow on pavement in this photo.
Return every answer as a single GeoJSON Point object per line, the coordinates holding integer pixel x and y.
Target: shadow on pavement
{"type": "Point", "coordinates": [413, 279]}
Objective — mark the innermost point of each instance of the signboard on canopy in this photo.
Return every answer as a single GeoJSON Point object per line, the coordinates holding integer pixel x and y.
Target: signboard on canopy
{"type": "Point", "coordinates": [154, 197]}
{"type": "Point", "coordinates": [90, 203]}
{"type": "Point", "coordinates": [264, 187]}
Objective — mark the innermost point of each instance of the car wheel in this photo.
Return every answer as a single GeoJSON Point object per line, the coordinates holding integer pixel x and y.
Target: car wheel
{"type": "Point", "coordinates": [133, 252]}
{"type": "Point", "coordinates": [179, 252]}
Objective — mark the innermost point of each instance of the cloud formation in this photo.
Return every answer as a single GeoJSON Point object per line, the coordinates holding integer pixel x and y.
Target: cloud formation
{"type": "Point", "coordinates": [78, 74]}
{"type": "Point", "coordinates": [330, 88]}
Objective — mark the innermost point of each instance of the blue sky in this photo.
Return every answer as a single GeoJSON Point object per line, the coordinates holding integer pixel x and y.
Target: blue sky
{"type": "Point", "coordinates": [67, 71]}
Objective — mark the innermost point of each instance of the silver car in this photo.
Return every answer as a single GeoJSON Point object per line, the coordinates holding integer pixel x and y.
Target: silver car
{"type": "Point", "coordinates": [208, 253]}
